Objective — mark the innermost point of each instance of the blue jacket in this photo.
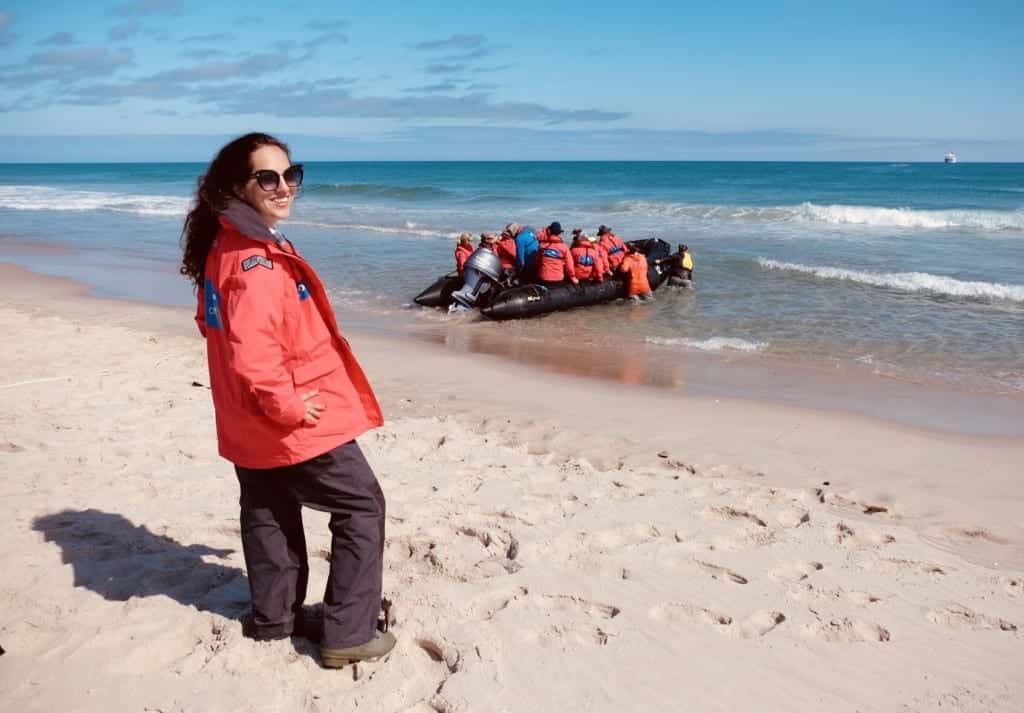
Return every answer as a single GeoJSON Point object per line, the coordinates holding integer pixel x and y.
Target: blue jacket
{"type": "Point", "coordinates": [527, 248]}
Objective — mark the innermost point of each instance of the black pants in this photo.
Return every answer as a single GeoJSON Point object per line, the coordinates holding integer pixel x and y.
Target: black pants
{"type": "Point", "coordinates": [341, 483]}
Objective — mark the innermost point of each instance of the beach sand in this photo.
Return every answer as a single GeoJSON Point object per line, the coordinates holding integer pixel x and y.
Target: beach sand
{"type": "Point", "coordinates": [555, 543]}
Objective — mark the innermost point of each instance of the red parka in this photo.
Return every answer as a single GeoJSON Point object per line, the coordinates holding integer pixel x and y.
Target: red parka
{"type": "Point", "coordinates": [635, 267]}
{"type": "Point", "coordinates": [271, 337]}
{"type": "Point", "coordinates": [614, 248]}
{"type": "Point", "coordinates": [462, 253]}
{"type": "Point", "coordinates": [555, 261]}
{"type": "Point", "coordinates": [588, 261]}
{"type": "Point", "coordinates": [506, 249]}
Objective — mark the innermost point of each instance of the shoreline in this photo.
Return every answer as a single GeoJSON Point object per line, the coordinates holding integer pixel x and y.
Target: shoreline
{"type": "Point", "coordinates": [793, 444]}
{"type": "Point", "coordinates": [756, 378]}
{"type": "Point", "coordinates": [553, 542]}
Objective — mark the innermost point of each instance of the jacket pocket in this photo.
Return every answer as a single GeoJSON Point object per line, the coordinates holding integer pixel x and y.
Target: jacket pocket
{"type": "Point", "coordinates": [321, 366]}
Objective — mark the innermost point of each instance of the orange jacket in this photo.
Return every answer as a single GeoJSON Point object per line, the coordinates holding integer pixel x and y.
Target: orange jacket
{"type": "Point", "coordinates": [635, 267]}
{"type": "Point", "coordinates": [614, 248]}
{"type": "Point", "coordinates": [506, 249]}
{"type": "Point", "coordinates": [589, 262]}
{"type": "Point", "coordinates": [271, 336]}
{"type": "Point", "coordinates": [555, 260]}
{"type": "Point", "coordinates": [462, 253]}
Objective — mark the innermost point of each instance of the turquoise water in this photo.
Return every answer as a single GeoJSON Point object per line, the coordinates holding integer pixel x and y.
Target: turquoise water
{"type": "Point", "coordinates": [912, 270]}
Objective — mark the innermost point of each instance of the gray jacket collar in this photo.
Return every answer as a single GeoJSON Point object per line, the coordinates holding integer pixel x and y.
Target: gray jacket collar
{"type": "Point", "coordinates": [247, 221]}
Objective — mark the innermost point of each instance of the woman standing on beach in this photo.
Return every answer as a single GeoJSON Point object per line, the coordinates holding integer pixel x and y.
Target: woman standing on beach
{"type": "Point", "coordinates": [290, 398]}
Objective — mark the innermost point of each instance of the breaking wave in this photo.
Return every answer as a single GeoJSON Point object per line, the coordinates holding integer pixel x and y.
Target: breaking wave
{"type": "Point", "coordinates": [713, 344]}
{"type": "Point", "coordinates": [876, 216]}
{"type": "Point", "coordinates": [59, 199]}
{"type": "Point", "coordinates": [906, 281]}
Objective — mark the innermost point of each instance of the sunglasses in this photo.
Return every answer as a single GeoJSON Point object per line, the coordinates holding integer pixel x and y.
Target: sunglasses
{"type": "Point", "coordinates": [269, 180]}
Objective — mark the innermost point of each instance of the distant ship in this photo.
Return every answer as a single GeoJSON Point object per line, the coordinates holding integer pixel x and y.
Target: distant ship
{"type": "Point", "coordinates": [950, 157]}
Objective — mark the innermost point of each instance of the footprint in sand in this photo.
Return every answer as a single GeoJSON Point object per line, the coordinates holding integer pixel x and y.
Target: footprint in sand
{"type": "Point", "coordinates": [957, 616]}
{"type": "Point", "coordinates": [731, 513]}
{"type": "Point", "coordinates": [719, 572]}
{"type": "Point", "coordinates": [844, 629]}
{"type": "Point", "coordinates": [757, 624]}
{"type": "Point", "coordinates": [845, 536]}
{"type": "Point", "coordinates": [574, 619]}
{"type": "Point", "coordinates": [795, 571]}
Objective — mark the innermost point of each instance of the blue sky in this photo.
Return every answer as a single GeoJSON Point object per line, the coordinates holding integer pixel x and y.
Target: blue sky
{"type": "Point", "coordinates": [171, 79]}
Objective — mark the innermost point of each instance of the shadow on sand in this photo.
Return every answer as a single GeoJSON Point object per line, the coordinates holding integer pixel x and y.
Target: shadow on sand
{"type": "Point", "coordinates": [119, 560]}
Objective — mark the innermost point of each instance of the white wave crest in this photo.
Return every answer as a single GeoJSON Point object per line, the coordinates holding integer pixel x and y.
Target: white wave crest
{"type": "Point", "coordinates": [405, 229]}
{"type": "Point", "coordinates": [59, 199]}
{"type": "Point", "coordinates": [906, 281]}
{"type": "Point", "coordinates": [713, 344]}
{"type": "Point", "coordinates": [876, 216]}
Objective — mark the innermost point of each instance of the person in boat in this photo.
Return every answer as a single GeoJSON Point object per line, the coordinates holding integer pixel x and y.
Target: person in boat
{"type": "Point", "coordinates": [527, 251]}
{"type": "Point", "coordinates": [506, 250]}
{"type": "Point", "coordinates": [613, 246]}
{"type": "Point", "coordinates": [680, 270]}
{"type": "Point", "coordinates": [555, 264]}
{"type": "Point", "coordinates": [289, 399]}
{"type": "Point", "coordinates": [634, 265]}
{"type": "Point", "coordinates": [604, 254]}
{"type": "Point", "coordinates": [489, 241]}
{"type": "Point", "coordinates": [588, 264]}
{"type": "Point", "coordinates": [463, 249]}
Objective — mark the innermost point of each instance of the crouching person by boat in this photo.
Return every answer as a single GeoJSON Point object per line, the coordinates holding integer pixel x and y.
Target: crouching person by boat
{"type": "Point", "coordinates": [680, 270]}
{"type": "Point", "coordinates": [289, 399]}
{"type": "Point", "coordinates": [634, 265]}
{"type": "Point", "coordinates": [527, 251]}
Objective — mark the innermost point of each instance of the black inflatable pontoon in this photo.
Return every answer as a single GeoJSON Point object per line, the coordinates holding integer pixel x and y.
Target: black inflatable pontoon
{"type": "Point", "coordinates": [531, 300]}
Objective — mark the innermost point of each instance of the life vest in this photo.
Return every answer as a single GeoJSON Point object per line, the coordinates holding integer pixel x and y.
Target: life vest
{"type": "Point", "coordinates": [687, 261]}
{"type": "Point", "coordinates": [588, 262]}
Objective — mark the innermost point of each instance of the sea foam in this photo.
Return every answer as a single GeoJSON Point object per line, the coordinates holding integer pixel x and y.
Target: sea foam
{"type": "Point", "coordinates": [713, 344]}
{"type": "Point", "coordinates": [906, 281]}
{"type": "Point", "coordinates": [60, 199]}
{"type": "Point", "coordinates": [837, 214]}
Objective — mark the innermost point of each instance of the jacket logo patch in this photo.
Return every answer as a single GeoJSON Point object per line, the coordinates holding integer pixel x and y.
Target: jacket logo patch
{"type": "Point", "coordinates": [212, 305]}
{"type": "Point", "coordinates": [551, 252]}
{"type": "Point", "coordinates": [256, 260]}
{"type": "Point", "coordinates": [303, 291]}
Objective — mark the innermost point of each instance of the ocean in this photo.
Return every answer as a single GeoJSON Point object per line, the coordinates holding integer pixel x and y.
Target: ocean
{"type": "Point", "coordinates": [908, 271]}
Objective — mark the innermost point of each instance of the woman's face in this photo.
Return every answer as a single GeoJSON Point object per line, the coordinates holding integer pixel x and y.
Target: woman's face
{"type": "Point", "coordinates": [275, 205]}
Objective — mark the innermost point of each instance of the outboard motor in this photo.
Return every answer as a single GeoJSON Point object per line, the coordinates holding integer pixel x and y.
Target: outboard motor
{"type": "Point", "coordinates": [481, 271]}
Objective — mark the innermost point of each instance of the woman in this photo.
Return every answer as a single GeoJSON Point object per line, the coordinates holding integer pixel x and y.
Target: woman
{"type": "Point", "coordinates": [290, 398]}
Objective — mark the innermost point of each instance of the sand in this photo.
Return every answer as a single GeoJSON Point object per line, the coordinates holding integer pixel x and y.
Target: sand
{"type": "Point", "coordinates": [554, 543]}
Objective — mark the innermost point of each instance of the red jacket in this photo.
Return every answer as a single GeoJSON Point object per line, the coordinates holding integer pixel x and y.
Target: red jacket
{"type": "Point", "coordinates": [555, 261]}
{"type": "Point", "coordinates": [614, 248]}
{"type": "Point", "coordinates": [635, 266]}
{"type": "Point", "coordinates": [588, 261]}
{"type": "Point", "coordinates": [271, 336]}
{"type": "Point", "coordinates": [506, 249]}
{"type": "Point", "coordinates": [462, 253]}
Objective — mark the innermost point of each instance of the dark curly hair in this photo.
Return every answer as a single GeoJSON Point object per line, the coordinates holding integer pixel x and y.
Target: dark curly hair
{"type": "Point", "coordinates": [229, 170]}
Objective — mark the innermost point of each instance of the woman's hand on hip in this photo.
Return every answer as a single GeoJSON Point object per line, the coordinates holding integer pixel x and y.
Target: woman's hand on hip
{"type": "Point", "coordinates": [313, 409]}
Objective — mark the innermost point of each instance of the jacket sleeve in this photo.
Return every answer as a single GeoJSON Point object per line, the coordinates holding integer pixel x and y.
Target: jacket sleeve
{"type": "Point", "coordinates": [201, 311]}
{"type": "Point", "coordinates": [253, 320]}
{"type": "Point", "coordinates": [570, 267]}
